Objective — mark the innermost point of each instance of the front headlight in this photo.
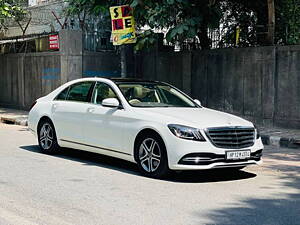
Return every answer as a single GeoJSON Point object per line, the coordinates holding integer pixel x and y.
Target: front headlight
{"type": "Point", "coordinates": [185, 132]}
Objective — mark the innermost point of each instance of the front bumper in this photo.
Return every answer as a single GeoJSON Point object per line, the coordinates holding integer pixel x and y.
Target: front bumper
{"type": "Point", "coordinates": [195, 155]}
{"type": "Point", "coordinates": [216, 165]}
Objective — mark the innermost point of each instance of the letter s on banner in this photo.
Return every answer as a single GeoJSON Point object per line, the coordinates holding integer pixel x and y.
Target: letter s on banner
{"type": "Point", "coordinates": [123, 25]}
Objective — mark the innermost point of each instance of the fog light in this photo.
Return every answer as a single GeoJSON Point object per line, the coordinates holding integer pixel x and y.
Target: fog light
{"type": "Point", "coordinates": [195, 159]}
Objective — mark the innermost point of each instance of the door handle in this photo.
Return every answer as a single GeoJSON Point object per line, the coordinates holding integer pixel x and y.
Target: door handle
{"type": "Point", "coordinates": [90, 110]}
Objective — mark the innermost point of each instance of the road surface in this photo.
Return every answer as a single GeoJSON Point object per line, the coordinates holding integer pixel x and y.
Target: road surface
{"type": "Point", "coordinates": [76, 187]}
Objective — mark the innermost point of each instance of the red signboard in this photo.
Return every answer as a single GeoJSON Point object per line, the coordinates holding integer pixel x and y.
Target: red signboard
{"type": "Point", "coordinates": [54, 42]}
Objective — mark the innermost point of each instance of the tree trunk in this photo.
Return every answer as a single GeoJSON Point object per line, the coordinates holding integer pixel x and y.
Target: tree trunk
{"type": "Point", "coordinates": [123, 61]}
{"type": "Point", "coordinates": [271, 22]}
{"type": "Point", "coordinates": [205, 42]}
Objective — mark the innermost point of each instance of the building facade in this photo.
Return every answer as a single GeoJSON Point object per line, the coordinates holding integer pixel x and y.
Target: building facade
{"type": "Point", "coordinates": [42, 17]}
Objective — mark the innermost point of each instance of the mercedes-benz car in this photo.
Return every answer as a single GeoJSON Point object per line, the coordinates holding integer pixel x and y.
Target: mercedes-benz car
{"type": "Point", "coordinates": [150, 123]}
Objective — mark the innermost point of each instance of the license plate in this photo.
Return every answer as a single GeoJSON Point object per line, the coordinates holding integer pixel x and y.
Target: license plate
{"type": "Point", "coordinates": [236, 155]}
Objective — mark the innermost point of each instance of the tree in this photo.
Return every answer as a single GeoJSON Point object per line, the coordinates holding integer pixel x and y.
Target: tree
{"type": "Point", "coordinates": [11, 9]}
{"type": "Point", "coordinates": [237, 15]}
{"type": "Point", "coordinates": [183, 20]}
{"type": "Point", "coordinates": [84, 9]}
{"type": "Point", "coordinates": [273, 26]}
{"type": "Point", "coordinates": [271, 22]}
{"type": "Point", "coordinates": [287, 21]}
{"type": "Point", "coordinates": [80, 9]}
{"type": "Point", "coordinates": [180, 19]}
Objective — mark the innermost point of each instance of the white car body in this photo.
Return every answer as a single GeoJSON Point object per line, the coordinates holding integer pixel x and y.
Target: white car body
{"type": "Point", "coordinates": [112, 131]}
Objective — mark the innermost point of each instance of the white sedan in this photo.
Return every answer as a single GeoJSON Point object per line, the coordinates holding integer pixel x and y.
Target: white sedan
{"type": "Point", "coordinates": [150, 123]}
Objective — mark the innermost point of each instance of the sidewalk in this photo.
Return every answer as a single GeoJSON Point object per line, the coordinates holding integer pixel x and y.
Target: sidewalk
{"type": "Point", "coordinates": [280, 137]}
{"type": "Point", "coordinates": [13, 116]}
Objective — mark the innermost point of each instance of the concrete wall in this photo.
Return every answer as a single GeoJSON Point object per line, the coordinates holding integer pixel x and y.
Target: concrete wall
{"type": "Point", "coordinates": [101, 64]}
{"type": "Point", "coordinates": [173, 67]}
{"type": "Point", "coordinates": [239, 81]}
{"type": "Point", "coordinates": [261, 84]}
{"type": "Point", "coordinates": [26, 77]}
{"type": "Point", "coordinates": [287, 86]}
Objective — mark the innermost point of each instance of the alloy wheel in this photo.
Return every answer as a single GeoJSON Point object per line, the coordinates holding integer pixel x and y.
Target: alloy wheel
{"type": "Point", "coordinates": [150, 155]}
{"type": "Point", "coordinates": [46, 136]}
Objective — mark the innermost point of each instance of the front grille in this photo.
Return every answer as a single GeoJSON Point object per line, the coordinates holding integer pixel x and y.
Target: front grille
{"type": "Point", "coordinates": [231, 137]}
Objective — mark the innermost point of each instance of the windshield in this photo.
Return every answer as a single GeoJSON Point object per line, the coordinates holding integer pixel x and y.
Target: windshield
{"type": "Point", "coordinates": [154, 95]}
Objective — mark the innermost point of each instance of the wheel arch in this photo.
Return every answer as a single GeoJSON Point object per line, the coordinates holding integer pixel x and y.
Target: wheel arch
{"type": "Point", "coordinates": [142, 133]}
{"type": "Point", "coordinates": [54, 147]}
{"type": "Point", "coordinates": [43, 118]}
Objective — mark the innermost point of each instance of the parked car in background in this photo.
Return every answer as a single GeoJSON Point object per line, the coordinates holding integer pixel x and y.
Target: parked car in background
{"type": "Point", "coordinates": [150, 123]}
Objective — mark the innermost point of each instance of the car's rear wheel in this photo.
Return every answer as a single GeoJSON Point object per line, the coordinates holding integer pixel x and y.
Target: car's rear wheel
{"type": "Point", "coordinates": [47, 137]}
{"type": "Point", "coordinates": [152, 157]}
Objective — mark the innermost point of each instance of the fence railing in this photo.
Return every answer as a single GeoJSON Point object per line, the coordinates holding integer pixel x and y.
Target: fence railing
{"type": "Point", "coordinates": [97, 41]}
{"type": "Point", "coordinates": [92, 41]}
{"type": "Point", "coordinates": [26, 43]}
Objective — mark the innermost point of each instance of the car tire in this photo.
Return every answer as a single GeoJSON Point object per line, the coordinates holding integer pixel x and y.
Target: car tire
{"type": "Point", "coordinates": [47, 137]}
{"type": "Point", "coordinates": [151, 156]}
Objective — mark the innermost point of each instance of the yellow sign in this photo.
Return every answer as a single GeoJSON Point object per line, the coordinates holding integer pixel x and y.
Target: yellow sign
{"type": "Point", "coordinates": [122, 21]}
{"type": "Point", "coordinates": [237, 35]}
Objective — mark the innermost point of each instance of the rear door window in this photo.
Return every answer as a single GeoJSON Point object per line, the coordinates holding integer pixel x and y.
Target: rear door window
{"type": "Point", "coordinates": [62, 95]}
{"type": "Point", "coordinates": [80, 92]}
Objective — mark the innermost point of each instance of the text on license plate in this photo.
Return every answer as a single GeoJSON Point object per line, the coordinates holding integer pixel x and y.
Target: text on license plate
{"type": "Point", "coordinates": [236, 155]}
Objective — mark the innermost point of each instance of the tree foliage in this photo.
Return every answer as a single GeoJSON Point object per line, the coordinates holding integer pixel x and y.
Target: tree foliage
{"type": "Point", "coordinates": [237, 16]}
{"type": "Point", "coordinates": [288, 21]}
{"type": "Point", "coordinates": [80, 9]}
{"type": "Point", "coordinates": [183, 20]}
{"type": "Point", "coordinates": [11, 9]}
{"type": "Point", "coordinates": [180, 19]}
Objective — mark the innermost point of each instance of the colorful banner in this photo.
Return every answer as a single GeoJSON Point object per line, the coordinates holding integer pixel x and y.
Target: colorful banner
{"type": "Point", "coordinates": [123, 25]}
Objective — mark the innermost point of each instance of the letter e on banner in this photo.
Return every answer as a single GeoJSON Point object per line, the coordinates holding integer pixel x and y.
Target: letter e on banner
{"type": "Point", "coordinates": [123, 25]}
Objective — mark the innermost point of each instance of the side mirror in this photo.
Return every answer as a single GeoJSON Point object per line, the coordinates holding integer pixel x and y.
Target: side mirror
{"type": "Point", "coordinates": [111, 102]}
{"type": "Point", "coordinates": [197, 102]}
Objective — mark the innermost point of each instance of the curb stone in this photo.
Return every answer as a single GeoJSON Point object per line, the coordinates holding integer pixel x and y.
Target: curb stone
{"type": "Point", "coordinates": [280, 141]}
{"type": "Point", "coordinates": [22, 122]}
{"type": "Point", "coordinates": [15, 121]}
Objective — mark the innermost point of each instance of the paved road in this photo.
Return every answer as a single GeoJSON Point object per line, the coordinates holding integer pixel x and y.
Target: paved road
{"type": "Point", "coordinates": [83, 188]}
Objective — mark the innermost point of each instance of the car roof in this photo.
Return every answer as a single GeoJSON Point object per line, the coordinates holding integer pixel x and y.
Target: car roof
{"type": "Point", "coordinates": [131, 80]}
{"type": "Point", "coordinates": [118, 80]}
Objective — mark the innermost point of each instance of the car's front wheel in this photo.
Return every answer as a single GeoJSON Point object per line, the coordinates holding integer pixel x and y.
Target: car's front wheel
{"type": "Point", "coordinates": [152, 157]}
{"type": "Point", "coordinates": [47, 137]}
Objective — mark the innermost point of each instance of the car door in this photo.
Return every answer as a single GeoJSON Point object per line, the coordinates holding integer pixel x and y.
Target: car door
{"type": "Point", "coordinates": [103, 126]}
{"type": "Point", "coordinates": [68, 112]}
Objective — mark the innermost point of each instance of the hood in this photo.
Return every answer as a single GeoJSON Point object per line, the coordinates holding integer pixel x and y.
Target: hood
{"type": "Point", "coordinates": [194, 117]}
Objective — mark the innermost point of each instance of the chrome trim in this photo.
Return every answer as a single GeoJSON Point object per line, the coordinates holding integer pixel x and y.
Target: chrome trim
{"type": "Point", "coordinates": [235, 165]}
{"type": "Point", "coordinates": [194, 159]}
{"type": "Point", "coordinates": [92, 146]}
{"type": "Point", "coordinates": [231, 137]}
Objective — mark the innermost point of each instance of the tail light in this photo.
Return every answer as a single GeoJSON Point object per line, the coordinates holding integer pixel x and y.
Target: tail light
{"type": "Point", "coordinates": [32, 105]}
